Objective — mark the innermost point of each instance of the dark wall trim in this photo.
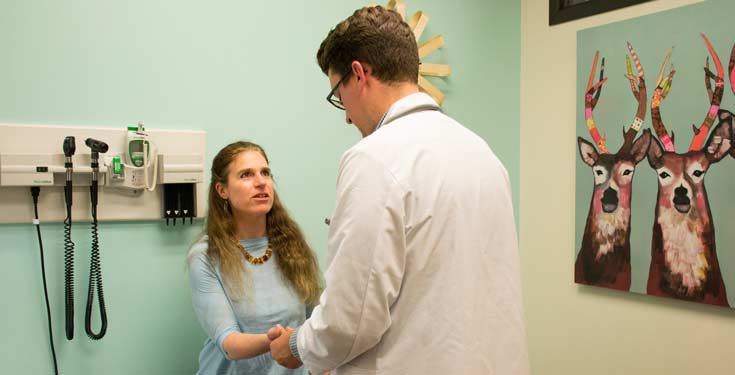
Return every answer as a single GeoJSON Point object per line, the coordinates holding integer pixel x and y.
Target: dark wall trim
{"type": "Point", "coordinates": [559, 13]}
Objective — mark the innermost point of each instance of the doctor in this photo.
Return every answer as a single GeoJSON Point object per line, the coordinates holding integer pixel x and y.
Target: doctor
{"type": "Point", "coordinates": [423, 267]}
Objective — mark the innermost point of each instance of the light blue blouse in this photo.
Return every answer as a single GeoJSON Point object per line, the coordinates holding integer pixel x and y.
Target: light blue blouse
{"type": "Point", "coordinates": [270, 301]}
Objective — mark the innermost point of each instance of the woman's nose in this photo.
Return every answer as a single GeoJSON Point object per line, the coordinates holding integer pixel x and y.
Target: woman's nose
{"type": "Point", "coordinates": [259, 180]}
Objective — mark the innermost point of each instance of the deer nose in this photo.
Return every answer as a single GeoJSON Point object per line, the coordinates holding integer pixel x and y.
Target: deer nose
{"type": "Point", "coordinates": [610, 195]}
{"type": "Point", "coordinates": [680, 191]}
{"type": "Point", "coordinates": [681, 201]}
{"type": "Point", "coordinates": [609, 200]}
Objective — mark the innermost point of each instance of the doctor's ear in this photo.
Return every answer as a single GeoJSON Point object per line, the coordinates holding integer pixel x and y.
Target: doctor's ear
{"type": "Point", "coordinates": [360, 70]}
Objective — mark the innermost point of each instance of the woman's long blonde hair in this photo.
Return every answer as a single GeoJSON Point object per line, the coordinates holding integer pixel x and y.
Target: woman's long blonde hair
{"type": "Point", "coordinates": [295, 258]}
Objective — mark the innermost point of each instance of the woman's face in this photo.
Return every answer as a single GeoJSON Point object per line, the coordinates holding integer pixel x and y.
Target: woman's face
{"type": "Point", "coordinates": [249, 185]}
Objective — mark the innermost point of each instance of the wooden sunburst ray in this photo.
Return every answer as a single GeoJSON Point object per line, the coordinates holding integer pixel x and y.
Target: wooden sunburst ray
{"type": "Point", "coordinates": [418, 23]}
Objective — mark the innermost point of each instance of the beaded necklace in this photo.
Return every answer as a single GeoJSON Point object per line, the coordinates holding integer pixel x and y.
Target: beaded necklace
{"type": "Point", "coordinates": [254, 260]}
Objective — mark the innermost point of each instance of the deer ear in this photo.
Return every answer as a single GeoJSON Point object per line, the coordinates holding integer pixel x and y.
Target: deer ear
{"type": "Point", "coordinates": [640, 146]}
{"type": "Point", "coordinates": [720, 141]}
{"type": "Point", "coordinates": [724, 115]}
{"type": "Point", "coordinates": [587, 151]}
{"type": "Point", "coordinates": [728, 117]}
{"type": "Point", "coordinates": [655, 152]}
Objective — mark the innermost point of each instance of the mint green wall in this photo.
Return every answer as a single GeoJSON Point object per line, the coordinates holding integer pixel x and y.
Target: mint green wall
{"type": "Point", "coordinates": [237, 70]}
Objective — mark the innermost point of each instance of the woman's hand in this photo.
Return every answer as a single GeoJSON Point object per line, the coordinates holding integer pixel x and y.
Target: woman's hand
{"type": "Point", "coordinates": [275, 332]}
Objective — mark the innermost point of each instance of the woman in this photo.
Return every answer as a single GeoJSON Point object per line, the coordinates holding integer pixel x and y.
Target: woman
{"type": "Point", "coordinates": [252, 270]}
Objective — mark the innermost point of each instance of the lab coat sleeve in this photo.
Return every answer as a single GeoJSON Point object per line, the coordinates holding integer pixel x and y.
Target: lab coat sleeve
{"type": "Point", "coordinates": [366, 247]}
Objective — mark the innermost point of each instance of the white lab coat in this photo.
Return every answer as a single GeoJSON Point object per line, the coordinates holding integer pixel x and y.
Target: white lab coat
{"type": "Point", "coordinates": [423, 270]}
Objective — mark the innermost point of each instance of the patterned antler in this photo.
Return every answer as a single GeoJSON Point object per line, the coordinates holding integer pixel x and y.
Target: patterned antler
{"type": "Point", "coordinates": [700, 134]}
{"type": "Point", "coordinates": [590, 102]}
{"type": "Point", "coordinates": [663, 85]}
{"type": "Point", "coordinates": [731, 69]}
{"type": "Point", "coordinates": [638, 87]}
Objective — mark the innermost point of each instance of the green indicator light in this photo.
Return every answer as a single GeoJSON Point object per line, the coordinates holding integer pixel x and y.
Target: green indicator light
{"type": "Point", "coordinates": [116, 167]}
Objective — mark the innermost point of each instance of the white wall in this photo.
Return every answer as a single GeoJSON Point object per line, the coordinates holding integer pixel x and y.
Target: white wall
{"type": "Point", "coordinates": [583, 330]}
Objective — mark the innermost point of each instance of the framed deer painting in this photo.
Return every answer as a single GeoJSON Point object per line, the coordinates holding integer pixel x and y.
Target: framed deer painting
{"type": "Point", "coordinates": [654, 198]}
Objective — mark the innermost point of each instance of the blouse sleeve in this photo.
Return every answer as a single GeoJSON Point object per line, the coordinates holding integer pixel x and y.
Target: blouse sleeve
{"type": "Point", "coordinates": [211, 305]}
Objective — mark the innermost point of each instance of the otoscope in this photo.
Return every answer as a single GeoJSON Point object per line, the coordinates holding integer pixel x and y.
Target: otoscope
{"type": "Point", "coordinates": [69, 149]}
{"type": "Point", "coordinates": [95, 271]}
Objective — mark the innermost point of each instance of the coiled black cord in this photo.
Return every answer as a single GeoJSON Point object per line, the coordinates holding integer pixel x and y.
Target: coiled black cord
{"type": "Point", "coordinates": [95, 276]}
{"type": "Point", "coordinates": [68, 268]}
{"type": "Point", "coordinates": [35, 190]}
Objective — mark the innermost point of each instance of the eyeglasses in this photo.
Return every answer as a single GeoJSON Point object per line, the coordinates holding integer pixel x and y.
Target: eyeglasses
{"type": "Point", "coordinates": [335, 101]}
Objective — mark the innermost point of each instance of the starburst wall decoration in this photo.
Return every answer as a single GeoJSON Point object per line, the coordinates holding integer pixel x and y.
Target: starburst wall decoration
{"type": "Point", "coordinates": [418, 23]}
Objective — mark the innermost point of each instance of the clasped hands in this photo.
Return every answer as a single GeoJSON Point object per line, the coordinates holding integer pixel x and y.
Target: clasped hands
{"type": "Point", "coordinates": [280, 348]}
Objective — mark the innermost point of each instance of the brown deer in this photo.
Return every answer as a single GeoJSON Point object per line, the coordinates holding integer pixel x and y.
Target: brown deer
{"type": "Point", "coordinates": [683, 257]}
{"type": "Point", "coordinates": [604, 258]}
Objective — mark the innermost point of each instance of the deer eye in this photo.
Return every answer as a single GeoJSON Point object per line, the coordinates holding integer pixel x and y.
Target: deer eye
{"type": "Point", "coordinates": [698, 173]}
{"type": "Point", "coordinates": [664, 175]}
{"type": "Point", "coordinates": [598, 172]}
{"type": "Point", "coordinates": [627, 172]}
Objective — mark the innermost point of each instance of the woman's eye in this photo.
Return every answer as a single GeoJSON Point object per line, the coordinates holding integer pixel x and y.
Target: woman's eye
{"type": "Point", "coordinates": [664, 174]}
{"type": "Point", "coordinates": [627, 172]}
{"type": "Point", "coordinates": [599, 172]}
{"type": "Point", "coordinates": [698, 173]}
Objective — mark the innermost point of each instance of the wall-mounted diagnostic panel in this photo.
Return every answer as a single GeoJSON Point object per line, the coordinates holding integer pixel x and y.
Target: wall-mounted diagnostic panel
{"type": "Point", "coordinates": [141, 173]}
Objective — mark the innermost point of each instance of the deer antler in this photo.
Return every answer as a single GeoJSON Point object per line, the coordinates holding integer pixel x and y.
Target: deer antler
{"type": "Point", "coordinates": [731, 69]}
{"type": "Point", "coordinates": [590, 102]}
{"type": "Point", "coordinates": [663, 85]}
{"type": "Point", "coordinates": [639, 93]}
{"type": "Point", "coordinates": [700, 134]}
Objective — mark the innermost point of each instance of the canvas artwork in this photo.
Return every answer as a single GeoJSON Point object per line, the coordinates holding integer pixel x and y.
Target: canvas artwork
{"type": "Point", "coordinates": [661, 233]}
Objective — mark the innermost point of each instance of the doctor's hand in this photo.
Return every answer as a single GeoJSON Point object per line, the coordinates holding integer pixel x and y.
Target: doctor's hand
{"type": "Point", "coordinates": [281, 351]}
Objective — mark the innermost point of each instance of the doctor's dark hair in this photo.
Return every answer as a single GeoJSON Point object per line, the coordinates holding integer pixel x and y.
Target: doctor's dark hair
{"type": "Point", "coordinates": [376, 36]}
{"type": "Point", "coordinates": [294, 257]}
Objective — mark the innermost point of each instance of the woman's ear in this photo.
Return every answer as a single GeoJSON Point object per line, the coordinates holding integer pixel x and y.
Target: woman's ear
{"type": "Point", "coordinates": [222, 190]}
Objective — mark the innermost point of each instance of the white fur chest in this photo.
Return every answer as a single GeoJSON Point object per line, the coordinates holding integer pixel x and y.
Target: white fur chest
{"type": "Point", "coordinates": [684, 250]}
{"type": "Point", "coordinates": [609, 228]}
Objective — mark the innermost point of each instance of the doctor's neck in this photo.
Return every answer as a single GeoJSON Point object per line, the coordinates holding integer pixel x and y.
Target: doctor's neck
{"type": "Point", "coordinates": [385, 95]}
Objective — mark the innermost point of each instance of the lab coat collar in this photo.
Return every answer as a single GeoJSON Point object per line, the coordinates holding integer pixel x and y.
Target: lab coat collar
{"type": "Point", "coordinates": [409, 104]}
